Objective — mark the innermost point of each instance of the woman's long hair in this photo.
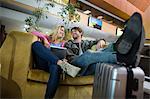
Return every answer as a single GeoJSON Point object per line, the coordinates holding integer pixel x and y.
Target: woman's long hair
{"type": "Point", "coordinates": [54, 33]}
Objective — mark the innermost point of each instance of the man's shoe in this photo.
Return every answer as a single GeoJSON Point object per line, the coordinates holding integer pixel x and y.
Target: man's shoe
{"type": "Point", "coordinates": [131, 33]}
{"type": "Point", "coordinates": [70, 69]}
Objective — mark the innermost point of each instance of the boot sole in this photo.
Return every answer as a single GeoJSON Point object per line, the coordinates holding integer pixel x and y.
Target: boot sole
{"type": "Point", "coordinates": [132, 31]}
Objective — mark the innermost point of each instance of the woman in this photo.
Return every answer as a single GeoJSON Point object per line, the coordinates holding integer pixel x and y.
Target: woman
{"type": "Point", "coordinates": [46, 60]}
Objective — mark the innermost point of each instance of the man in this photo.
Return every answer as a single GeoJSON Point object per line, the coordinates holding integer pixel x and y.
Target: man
{"type": "Point", "coordinates": [124, 50]}
{"type": "Point", "coordinates": [77, 46]}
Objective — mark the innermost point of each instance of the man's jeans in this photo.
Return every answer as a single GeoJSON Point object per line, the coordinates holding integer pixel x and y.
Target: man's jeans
{"type": "Point", "coordinates": [107, 55]}
{"type": "Point", "coordinates": [47, 61]}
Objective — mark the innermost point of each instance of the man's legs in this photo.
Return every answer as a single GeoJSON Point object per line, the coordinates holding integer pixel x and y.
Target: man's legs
{"type": "Point", "coordinates": [89, 58]}
{"type": "Point", "coordinates": [53, 81]}
{"type": "Point", "coordinates": [89, 71]}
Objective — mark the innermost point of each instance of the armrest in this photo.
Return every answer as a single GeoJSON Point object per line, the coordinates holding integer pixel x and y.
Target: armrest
{"type": "Point", "coordinates": [16, 54]}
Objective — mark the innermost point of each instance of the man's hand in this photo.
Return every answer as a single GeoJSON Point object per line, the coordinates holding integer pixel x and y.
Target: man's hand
{"type": "Point", "coordinates": [101, 44]}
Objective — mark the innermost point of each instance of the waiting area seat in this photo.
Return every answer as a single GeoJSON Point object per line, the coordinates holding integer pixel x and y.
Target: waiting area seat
{"type": "Point", "coordinates": [9, 89]}
{"type": "Point", "coordinates": [17, 65]}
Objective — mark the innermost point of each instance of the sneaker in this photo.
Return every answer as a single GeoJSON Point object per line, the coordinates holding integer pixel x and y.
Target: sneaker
{"type": "Point", "coordinates": [131, 33]}
{"type": "Point", "coordinates": [70, 69]}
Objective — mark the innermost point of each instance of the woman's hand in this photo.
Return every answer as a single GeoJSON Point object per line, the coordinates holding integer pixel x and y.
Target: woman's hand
{"type": "Point", "coordinates": [46, 44]}
{"type": "Point", "coordinates": [65, 60]}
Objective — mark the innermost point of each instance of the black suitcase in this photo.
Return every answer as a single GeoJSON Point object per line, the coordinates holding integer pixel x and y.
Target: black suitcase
{"type": "Point", "coordinates": [113, 81]}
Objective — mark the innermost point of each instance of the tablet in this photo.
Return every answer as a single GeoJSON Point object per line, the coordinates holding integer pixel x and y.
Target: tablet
{"type": "Point", "coordinates": [60, 52]}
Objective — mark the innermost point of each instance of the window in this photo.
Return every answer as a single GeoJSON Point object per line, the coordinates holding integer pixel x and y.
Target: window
{"type": "Point", "coordinates": [65, 2]}
{"type": "Point", "coordinates": [119, 31]}
{"type": "Point", "coordinates": [95, 23]}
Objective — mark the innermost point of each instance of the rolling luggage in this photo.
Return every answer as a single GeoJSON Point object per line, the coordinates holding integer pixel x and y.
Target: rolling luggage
{"type": "Point", "coordinates": [113, 81]}
{"type": "Point", "coordinates": [123, 80]}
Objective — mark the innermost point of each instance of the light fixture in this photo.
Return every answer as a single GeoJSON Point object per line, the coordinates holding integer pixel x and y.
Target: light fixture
{"type": "Point", "coordinates": [102, 10]}
{"type": "Point", "coordinates": [47, 32]}
{"type": "Point", "coordinates": [26, 26]}
{"type": "Point", "coordinates": [87, 12]}
{"type": "Point", "coordinates": [100, 17]}
{"type": "Point", "coordinates": [111, 21]}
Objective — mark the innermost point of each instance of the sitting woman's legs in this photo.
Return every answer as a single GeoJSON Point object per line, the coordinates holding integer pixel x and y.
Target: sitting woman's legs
{"type": "Point", "coordinates": [53, 81]}
{"type": "Point", "coordinates": [47, 61]}
{"type": "Point", "coordinates": [41, 51]}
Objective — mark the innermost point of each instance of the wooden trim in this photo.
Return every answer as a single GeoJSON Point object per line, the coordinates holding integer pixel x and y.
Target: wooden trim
{"type": "Point", "coordinates": [11, 66]}
{"type": "Point", "coordinates": [17, 4]}
{"type": "Point", "coordinates": [20, 7]}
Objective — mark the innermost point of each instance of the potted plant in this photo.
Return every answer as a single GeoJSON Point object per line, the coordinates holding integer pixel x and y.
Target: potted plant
{"type": "Point", "coordinates": [69, 15]}
{"type": "Point", "coordinates": [40, 13]}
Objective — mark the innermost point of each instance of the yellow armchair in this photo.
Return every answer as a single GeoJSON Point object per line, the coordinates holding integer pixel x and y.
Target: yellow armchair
{"type": "Point", "coordinates": [16, 65]}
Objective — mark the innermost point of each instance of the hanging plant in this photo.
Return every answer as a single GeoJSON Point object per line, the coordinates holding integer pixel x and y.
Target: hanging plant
{"type": "Point", "coordinates": [51, 2]}
{"type": "Point", "coordinates": [38, 14]}
{"type": "Point", "coordinates": [69, 14]}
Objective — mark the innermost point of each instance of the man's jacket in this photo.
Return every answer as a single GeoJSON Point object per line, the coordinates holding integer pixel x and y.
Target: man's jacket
{"type": "Point", "coordinates": [73, 48]}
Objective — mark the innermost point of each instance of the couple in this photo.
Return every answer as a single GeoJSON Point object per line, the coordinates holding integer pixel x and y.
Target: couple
{"type": "Point", "coordinates": [79, 56]}
{"type": "Point", "coordinates": [46, 60]}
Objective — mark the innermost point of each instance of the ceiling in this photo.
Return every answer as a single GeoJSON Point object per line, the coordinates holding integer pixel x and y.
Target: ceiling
{"type": "Point", "coordinates": [14, 18]}
{"type": "Point", "coordinates": [96, 13]}
{"type": "Point", "coordinates": [140, 4]}
{"type": "Point", "coordinates": [108, 7]}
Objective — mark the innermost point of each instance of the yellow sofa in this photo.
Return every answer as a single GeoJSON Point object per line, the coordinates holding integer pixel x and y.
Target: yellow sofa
{"type": "Point", "coordinates": [16, 65]}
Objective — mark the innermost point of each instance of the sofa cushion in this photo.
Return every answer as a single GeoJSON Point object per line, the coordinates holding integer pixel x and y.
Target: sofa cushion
{"type": "Point", "coordinates": [38, 75]}
{"type": "Point", "coordinates": [42, 76]}
{"type": "Point", "coordinates": [80, 80]}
